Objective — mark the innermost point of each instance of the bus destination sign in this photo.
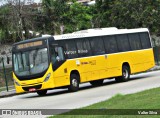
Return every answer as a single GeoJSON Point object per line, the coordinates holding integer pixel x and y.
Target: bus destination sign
{"type": "Point", "coordinates": [28, 45]}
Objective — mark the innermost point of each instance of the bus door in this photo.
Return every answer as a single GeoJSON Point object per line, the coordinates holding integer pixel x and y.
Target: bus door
{"type": "Point", "coordinates": [57, 59]}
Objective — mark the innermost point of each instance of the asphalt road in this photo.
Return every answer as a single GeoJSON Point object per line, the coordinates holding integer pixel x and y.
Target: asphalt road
{"type": "Point", "coordinates": [62, 99]}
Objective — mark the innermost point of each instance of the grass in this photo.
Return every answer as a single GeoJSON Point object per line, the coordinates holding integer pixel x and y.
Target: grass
{"type": "Point", "coordinates": [148, 99]}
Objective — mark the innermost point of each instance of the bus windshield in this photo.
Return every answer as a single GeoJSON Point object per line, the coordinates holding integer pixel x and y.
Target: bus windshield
{"type": "Point", "coordinates": [30, 62]}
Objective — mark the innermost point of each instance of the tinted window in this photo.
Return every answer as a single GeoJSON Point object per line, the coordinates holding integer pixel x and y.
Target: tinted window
{"type": "Point", "coordinates": [123, 43]}
{"type": "Point", "coordinates": [60, 53]}
{"type": "Point", "coordinates": [86, 46]}
{"type": "Point", "coordinates": [83, 47]}
{"type": "Point", "coordinates": [110, 44]}
{"type": "Point", "coordinates": [57, 54]}
{"type": "Point", "coordinates": [71, 51]}
{"type": "Point", "coordinates": [145, 40]}
{"type": "Point", "coordinates": [97, 45]}
{"type": "Point", "coordinates": [135, 41]}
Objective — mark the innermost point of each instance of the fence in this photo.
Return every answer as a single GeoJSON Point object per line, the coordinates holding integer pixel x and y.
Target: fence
{"type": "Point", "coordinates": [6, 81]}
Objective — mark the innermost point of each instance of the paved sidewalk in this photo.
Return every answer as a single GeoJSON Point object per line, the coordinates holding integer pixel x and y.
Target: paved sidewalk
{"type": "Point", "coordinates": [4, 93]}
{"type": "Point", "coordinates": [7, 93]}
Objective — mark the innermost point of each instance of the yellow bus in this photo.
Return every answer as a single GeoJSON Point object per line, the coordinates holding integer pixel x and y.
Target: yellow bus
{"type": "Point", "coordinates": [92, 55]}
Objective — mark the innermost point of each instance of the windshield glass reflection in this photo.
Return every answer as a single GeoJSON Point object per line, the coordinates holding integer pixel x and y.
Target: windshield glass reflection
{"type": "Point", "coordinates": [30, 62]}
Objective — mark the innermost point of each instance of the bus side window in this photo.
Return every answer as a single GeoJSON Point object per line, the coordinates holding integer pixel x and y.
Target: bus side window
{"type": "Point", "coordinates": [59, 54]}
{"type": "Point", "coordinates": [71, 50]}
{"type": "Point", "coordinates": [97, 45]}
{"type": "Point", "coordinates": [86, 46]}
{"type": "Point", "coordinates": [80, 48]}
{"type": "Point", "coordinates": [83, 47]}
{"type": "Point", "coordinates": [123, 43]}
{"type": "Point", "coordinates": [145, 40]}
{"type": "Point", "coordinates": [134, 41]}
{"type": "Point", "coordinates": [53, 55]}
{"type": "Point", "coordinates": [110, 44]}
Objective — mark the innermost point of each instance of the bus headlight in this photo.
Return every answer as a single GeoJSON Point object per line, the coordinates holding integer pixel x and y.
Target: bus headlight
{"type": "Point", "coordinates": [47, 77]}
{"type": "Point", "coordinates": [16, 82]}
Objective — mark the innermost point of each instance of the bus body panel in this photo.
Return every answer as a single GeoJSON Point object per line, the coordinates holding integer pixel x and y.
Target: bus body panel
{"type": "Point", "coordinates": [93, 68]}
{"type": "Point", "coordinates": [142, 60]}
{"type": "Point", "coordinates": [35, 82]}
{"type": "Point", "coordinates": [99, 67]}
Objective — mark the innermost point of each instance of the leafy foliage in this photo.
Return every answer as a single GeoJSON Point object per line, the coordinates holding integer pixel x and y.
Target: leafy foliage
{"type": "Point", "coordinates": [65, 16]}
{"type": "Point", "coordinates": [77, 18]}
{"type": "Point", "coordinates": [53, 10]}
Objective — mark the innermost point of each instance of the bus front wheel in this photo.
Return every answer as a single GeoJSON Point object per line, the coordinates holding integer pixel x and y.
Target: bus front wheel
{"type": "Point", "coordinates": [125, 74]}
{"type": "Point", "coordinates": [42, 92]}
{"type": "Point", "coordinates": [74, 83]}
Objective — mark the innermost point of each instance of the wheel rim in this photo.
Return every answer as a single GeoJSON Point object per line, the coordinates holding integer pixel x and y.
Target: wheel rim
{"type": "Point", "coordinates": [125, 73]}
{"type": "Point", "coordinates": [74, 82]}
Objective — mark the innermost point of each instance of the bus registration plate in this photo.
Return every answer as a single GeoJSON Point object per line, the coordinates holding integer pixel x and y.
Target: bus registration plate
{"type": "Point", "coordinates": [32, 89]}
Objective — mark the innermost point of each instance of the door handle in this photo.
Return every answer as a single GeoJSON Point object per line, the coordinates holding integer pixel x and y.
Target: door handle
{"type": "Point", "coordinates": [105, 56]}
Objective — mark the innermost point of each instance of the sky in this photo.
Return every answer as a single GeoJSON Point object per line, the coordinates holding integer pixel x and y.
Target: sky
{"type": "Point", "coordinates": [37, 1]}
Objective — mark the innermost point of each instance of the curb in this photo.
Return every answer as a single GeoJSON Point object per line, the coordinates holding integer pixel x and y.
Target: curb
{"type": "Point", "coordinates": [7, 93]}
{"type": "Point", "coordinates": [10, 93]}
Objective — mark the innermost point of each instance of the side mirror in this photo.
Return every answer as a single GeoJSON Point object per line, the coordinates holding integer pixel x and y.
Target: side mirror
{"type": "Point", "coordinates": [8, 60]}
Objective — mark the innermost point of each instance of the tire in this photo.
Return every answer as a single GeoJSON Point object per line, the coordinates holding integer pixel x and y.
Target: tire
{"type": "Point", "coordinates": [42, 92]}
{"type": "Point", "coordinates": [125, 74]}
{"type": "Point", "coordinates": [74, 83]}
{"type": "Point", "coordinates": [96, 82]}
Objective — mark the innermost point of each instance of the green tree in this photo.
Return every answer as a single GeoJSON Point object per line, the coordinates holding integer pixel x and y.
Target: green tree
{"type": "Point", "coordinates": [78, 17]}
{"type": "Point", "coordinates": [4, 23]}
{"type": "Point", "coordinates": [136, 13]}
{"type": "Point", "coordinates": [53, 10]}
{"type": "Point", "coordinates": [127, 14]}
{"type": "Point", "coordinates": [102, 13]}
{"type": "Point", "coordinates": [18, 19]}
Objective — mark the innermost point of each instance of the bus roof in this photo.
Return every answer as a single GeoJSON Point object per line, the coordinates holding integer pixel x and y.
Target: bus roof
{"type": "Point", "coordinates": [88, 33]}
{"type": "Point", "coordinates": [34, 39]}
{"type": "Point", "coordinates": [98, 32]}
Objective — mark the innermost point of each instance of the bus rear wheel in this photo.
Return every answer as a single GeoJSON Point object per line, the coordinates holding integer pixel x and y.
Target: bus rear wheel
{"type": "Point", "coordinates": [96, 82]}
{"type": "Point", "coordinates": [74, 83]}
{"type": "Point", "coordinates": [42, 92]}
{"type": "Point", "coordinates": [125, 74]}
